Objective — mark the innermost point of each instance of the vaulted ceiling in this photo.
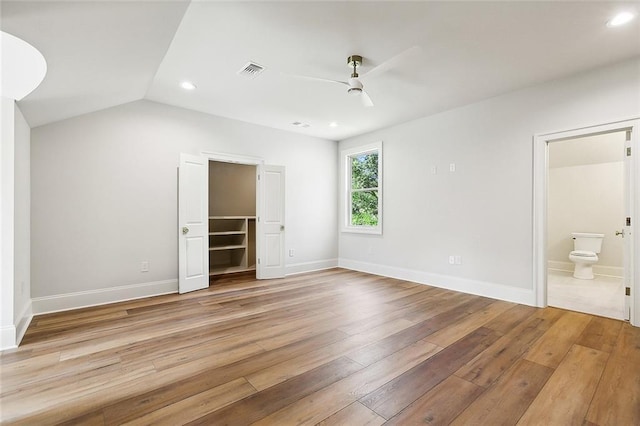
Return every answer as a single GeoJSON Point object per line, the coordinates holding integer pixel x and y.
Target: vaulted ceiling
{"type": "Point", "coordinates": [102, 54]}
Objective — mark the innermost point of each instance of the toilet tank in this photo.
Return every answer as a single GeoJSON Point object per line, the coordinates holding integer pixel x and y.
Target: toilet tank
{"type": "Point", "coordinates": [587, 241]}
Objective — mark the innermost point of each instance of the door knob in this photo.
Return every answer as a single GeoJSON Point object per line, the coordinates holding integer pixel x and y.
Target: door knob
{"type": "Point", "coordinates": [185, 230]}
{"type": "Point", "coordinates": [282, 227]}
{"type": "Point", "coordinates": [620, 233]}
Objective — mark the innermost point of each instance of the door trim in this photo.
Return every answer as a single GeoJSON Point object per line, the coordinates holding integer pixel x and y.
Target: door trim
{"type": "Point", "coordinates": [249, 161]}
{"type": "Point", "coordinates": [540, 186]}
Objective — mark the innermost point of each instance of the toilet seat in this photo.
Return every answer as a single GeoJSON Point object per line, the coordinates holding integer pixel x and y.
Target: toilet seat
{"type": "Point", "coordinates": [584, 253]}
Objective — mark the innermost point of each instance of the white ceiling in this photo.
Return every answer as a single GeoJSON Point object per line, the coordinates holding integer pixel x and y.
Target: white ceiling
{"type": "Point", "coordinates": [102, 54]}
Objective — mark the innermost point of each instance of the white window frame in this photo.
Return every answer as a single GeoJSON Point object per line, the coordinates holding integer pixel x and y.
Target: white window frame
{"type": "Point", "coordinates": [345, 156]}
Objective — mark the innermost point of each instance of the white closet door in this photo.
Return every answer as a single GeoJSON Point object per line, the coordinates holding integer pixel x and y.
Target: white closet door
{"type": "Point", "coordinates": [271, 224]}
{"type": "Point", "coordinates": [627, 230]}
{"type": "Point", "coordinates": [193, 226]}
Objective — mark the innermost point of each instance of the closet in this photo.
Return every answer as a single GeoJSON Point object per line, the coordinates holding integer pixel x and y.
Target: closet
{"type": "Point", "coordinates": [232, 217]}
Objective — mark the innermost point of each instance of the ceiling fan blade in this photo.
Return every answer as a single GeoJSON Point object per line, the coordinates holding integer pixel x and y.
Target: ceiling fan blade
{"type": "Point", "coordinates": [393, 62]}
{"type": "Point", "coordinates": [366, 100]}
{"type": "Point", "coordinates": [326, 80]}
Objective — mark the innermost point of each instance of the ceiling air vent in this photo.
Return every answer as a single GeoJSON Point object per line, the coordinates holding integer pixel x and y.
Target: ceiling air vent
{"type": "Point", "coordinates": [251, 70]}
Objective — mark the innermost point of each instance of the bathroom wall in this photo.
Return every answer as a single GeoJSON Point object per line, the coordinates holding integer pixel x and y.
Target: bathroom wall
{"type": "Point", "coordinates": [586, 178]}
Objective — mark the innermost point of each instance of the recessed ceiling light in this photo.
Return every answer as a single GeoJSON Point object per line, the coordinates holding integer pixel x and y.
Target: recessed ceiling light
{"type": "Point", "coordinates": [333, 124]}
{"type": "Point", "coordinates": [187, 85]}
{"type": "Point", "coordinates": [620, 19]}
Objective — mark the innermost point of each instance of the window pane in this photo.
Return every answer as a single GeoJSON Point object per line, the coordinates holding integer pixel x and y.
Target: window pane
{"type": "Point", "coordinates": [364, 170]}
{"type": "Point", "coordinates": [364, 208]}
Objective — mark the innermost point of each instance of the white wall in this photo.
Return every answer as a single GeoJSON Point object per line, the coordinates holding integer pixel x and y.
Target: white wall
{"type": "Point", "coordinates": [585, 194]}
{"type": "Point", "coordinates": [104, 198]}
{"type": "Point", "coordinates": [22, 225]}
{"type": "Point", "coordinates": [483, 211]}
{"type": "Point", "coordinates": [7, 143]}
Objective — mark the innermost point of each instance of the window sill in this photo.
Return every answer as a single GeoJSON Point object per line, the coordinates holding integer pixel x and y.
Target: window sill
{"type": "Point", "coordinates": [362, 230]}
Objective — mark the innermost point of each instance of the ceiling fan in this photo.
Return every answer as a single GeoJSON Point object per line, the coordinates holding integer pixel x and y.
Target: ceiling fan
{"type": "Point", "coordinates": [354, 84]}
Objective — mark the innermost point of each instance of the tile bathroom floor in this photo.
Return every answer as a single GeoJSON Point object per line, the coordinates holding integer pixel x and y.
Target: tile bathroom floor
{"type": "Point", "coordinates": [602, 296]}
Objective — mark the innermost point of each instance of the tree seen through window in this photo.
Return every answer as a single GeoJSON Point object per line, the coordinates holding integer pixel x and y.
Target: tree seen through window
{"type": "Point", "coordinates": [364, 189]}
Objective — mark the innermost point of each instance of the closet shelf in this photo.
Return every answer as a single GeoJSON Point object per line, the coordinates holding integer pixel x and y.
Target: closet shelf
{"type": "Point", "coordinates": [231, 247]}
{"type": "Point", "coordinates": [231, 217]}
{"type": "Point", "coordinates": [219, 270]}
{"type": "Point", "coordinates": [231, 244]}
{"type": "Point", "coordinates": [227, 233]}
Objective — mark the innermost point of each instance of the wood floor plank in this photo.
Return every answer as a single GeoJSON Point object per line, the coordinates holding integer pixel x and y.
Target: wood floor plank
{"type": "Point", "coordinates": [354, 414]}
{"type": "Point", "coordinates": [371, 353]}
{"type": "Point", "coordinates": [509, 319]}
{"type": "Point", "coordinates": [280, 372]}
{"type": "Point", "coordinates": [551, 348]}
{"type": "Point", "coordinates": [456, 331]}
{"type": "Point", "coordinates": [437, 407]}
{"type": "Point", "coordinates": [506, 401]}
{"type": "Point", "coordinates": [264, 403]}
{"type": "Point", "coordinates": [154, 399]}
{"type": "Point", "coordinates": [95, 418]}
{"type": "Point", "coordinates": [566, 396]}
{"type": "Point", "coordinates": [333, 346]}
{"type": "Point", "coordinates": [323, 403]}
{"type": "Point", "coordinates": [197, 406]}
{"type": "Point", "coordinates": [601, 334]}
{"type": "Point", "coordinates": [397, 394]}
{"type": "Point", "coordinates": [491, 363]}
{"type": "Point", "coordinates": [617, 397]}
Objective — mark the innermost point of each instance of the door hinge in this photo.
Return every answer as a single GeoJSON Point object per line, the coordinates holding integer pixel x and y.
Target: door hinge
{"type": "Point", "coordinates": [628, 221]}
{"type": "Point", "coordinates": [258, 177]}
{"type": "Point", "coordinates": [258, 261]}
{"type": "Point", "coordinates": [627, 291]}
{"type": "Point", "coordinates": [628, 151]}
{"type": "Point", "coordinates": [628, 136]}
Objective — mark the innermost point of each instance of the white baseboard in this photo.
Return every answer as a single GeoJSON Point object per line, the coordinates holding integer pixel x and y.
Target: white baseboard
{"type": "Point", "coordinates": [318, 265]}
{"type": "Point", "coordinates": [24, 320]}
{"type": "Point", "coordinates": [480, 288]}
{"type": "Point", "coordinates": [610, 271]}
{"type": "Point", "coordinates": [83, 299]}
{"type": "Point", "coordinates": [7, 337]}
{"type": "Point", "coordinates": [11, 335]}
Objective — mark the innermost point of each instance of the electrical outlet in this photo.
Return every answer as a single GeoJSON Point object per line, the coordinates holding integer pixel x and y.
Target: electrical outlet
{"type": "Point", "coordinates": [458, 260]}
{"type": "Point", "coordinates": [291, 252]}
{"type": "Point", "coordinates": [452, 167]}
{"type": "Point", "coordinates": [452, 260]}
{"type": "Point", "coordinates": [434, 170]}
{"type": "Point", "coordinates": [144, 266]}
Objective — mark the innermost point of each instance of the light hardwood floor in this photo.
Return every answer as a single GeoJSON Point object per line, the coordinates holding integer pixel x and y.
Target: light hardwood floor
{"type": "Point", "coordinates": [332, 347]}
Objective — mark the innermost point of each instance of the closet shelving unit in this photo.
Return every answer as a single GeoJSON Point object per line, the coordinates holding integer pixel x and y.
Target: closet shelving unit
{"type": "Point", "coordinates": [231, 244]}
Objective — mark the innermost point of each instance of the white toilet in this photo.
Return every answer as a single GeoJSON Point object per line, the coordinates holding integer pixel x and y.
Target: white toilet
{"type": "Point", "coordinates": [586, 247]}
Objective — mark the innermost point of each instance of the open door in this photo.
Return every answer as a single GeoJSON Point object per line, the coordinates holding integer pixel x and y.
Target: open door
{"type": "Point", "coordinates": [626, 230]}
{"type": "Point", "coordinates": [271, 223]}
{"type": "Point", "coordinates": [193, 225]}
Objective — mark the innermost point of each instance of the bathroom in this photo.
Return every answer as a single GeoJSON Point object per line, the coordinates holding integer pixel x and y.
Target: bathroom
{"type": "Point", "coordinates": [586, 186]}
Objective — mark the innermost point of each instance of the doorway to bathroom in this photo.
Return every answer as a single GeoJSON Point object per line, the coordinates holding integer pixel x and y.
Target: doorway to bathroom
{"type": "Point", "coordinates": [585, 207]}
{"type": "Point", "coordinates": [585, 196]}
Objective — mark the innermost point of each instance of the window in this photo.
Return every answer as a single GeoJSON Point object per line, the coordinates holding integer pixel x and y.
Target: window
{"type": "Point", "coordinates": [363, 189]}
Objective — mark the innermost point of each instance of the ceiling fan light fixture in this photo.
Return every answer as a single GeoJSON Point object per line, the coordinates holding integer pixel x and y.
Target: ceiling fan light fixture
{"type": "Point", "coordinates": [187, 85]}
{"type": "Point", "coordinates": [620, 19]}
{"type": "Point", "coordinates": [355, 91]}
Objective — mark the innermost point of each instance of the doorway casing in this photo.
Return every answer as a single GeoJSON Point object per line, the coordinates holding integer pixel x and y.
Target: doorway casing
{"type": "Point", "coordinates": [632, 194]}
{"type": "Point", "coordinates": [263, 204]}
{"type": "Point", "coordinates": [263, 270]}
